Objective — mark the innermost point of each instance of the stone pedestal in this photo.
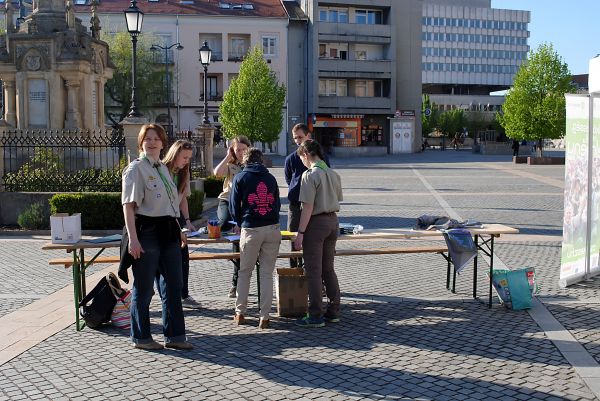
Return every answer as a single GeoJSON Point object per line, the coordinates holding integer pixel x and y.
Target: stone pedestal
{"type": "Point", "coordinates": [131, 129]}
{"type": "Point", "coordinates": [206, 133]}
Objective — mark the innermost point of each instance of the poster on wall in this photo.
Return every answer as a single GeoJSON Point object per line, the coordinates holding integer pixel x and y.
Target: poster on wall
{"type": "Point", "coordinates": [594, 260]}
{"type": "Point", "coordinates": [575, 224]}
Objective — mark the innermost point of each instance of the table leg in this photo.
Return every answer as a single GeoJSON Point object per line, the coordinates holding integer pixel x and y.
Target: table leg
{"type": "Point", "coordinates": [454, 279]}
{"type": "Point", "coordinates": [82, 273]}
{"type": "Point", "coordinates": [448, 274]}
{"type": "Point", "coordinates": [77, 290]}
{"type": "Point", "coordinates": [475, 267]}
{"type": "Point", "coordinates": [491, 269]}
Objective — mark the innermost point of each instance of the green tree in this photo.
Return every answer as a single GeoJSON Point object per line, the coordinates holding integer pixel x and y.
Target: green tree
{"type": "Point", "coordinates": [428, 122]}
{"type": "Point", "coordinates": [253, 104]}
{"type": "Point", "coordinates": [534, 108]}
{"type": "Point", "coordinates": [452, 122]}
{"type": "Point", "coordinates": [149, 79]}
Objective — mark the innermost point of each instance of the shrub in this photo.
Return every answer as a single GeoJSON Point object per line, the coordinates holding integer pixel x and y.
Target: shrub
{"type": "Point", "coordinates": [35, 217]}
{"type": "Point", "coordinates": [195, 203]}
{"type": "Point", "coordinates": [213, 186]}
{"type": "Point", "coordinates": [99, 210]}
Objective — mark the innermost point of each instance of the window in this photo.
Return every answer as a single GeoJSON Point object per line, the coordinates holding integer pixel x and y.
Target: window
{"type": "Point", "coordinates": [333, 15]}
{"type": "Point", "coordinates": [360, 55]}
{"type": "Point", "coordinates": [332, 87]}
{"type": "Point", "coordinates": [238, 47]}
{"type": "Point", "coordinates": [369, 17]}
{"type": "Point", "coordinates": [269, 45]}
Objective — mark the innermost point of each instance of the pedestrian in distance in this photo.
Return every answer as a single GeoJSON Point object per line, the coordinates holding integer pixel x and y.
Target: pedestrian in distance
{"type": "Point", "coordinates": [515, 147]}
{"type": "Point", "coordinates": [177, 161]}
{"type": "Point", "coordinates": [320, 195]}
{"type": "Point", "coordinates": [150, 208]}
{"type": "Point", "coordinates": [228, 168]}
{"type": "Point", "coordinates": [254, 205]}
{"type": "Point", "coordinates": [294, 168]}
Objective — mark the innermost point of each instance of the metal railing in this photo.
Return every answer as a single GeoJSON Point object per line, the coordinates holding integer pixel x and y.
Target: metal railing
{"type": "Point", "coordinates": [62, 160]}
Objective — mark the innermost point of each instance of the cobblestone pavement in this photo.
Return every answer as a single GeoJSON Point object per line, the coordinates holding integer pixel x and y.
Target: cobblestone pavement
{"type": "Point", "coordinates": [402, 335]}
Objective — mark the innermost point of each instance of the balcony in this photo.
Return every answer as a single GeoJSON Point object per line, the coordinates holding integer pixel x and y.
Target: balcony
{"type": "Point", "coordinates": [236, 57]}
{"type": "Point", "coordinates": [216, 55]}
{"type": "Point", "coordinates": [329, 67]}
{"type": "Point", "coordinates": [352, 104]}
{"type": "Point", "coordinates": [357, 33]}
{"type": "Point", "coordinates": [212, 97]}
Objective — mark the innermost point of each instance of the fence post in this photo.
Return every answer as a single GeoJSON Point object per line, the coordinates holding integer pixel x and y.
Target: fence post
{"type": "Point", "coordinates": [207, 132]}
{"type": "Point", "coordinates": [131, 129]}
{"type": "Point", "coordinates": [2, 150]}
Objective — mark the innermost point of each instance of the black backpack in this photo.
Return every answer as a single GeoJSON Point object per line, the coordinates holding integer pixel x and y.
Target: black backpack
{"type": "Point", "coordinates": [97, 306]}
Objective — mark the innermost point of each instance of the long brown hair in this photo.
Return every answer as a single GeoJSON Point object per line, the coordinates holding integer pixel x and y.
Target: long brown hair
{"type": "Point", "coordinates": [183, 175]}
{"type": "Point", "coordinates": [243, 140]}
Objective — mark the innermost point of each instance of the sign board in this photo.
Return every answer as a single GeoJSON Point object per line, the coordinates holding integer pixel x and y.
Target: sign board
{"type": "Point", "coordinates": [37, 100]}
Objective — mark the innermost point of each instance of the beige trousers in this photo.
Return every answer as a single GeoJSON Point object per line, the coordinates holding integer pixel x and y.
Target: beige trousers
{"type": "Point", "coordinates": [257, 244]}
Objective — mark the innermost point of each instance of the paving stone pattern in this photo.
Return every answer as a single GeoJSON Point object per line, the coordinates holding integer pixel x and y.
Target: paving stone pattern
{"type": "Point", "coordinates": [402, 334]}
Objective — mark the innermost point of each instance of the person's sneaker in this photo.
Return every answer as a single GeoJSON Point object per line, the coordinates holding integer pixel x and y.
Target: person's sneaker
{"type": "Point", "coordinates": [151, 346]}
{"type": "Point", "coordinates": [239, 319]}
{"type": "Point", "coordinates": [232, 292]}
{"type": "Point", "coordinates": [263, 323]}
{"type": "Point", "coordinates": [182, 345]}
{"type": "Point", "coordinates": [310, 321]}
{"type": "Point", "coordinates": [190, 303]}
{"type": "Point", "coordinates": [331, 318]}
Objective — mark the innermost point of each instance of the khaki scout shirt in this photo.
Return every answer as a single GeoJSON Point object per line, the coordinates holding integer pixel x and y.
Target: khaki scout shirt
{"type": "Point", "coordinates": [143, 185]}
{"type": "Point", "coordinates": [232, 170]}
{"type": "Point", "coordinates": [322, 188]}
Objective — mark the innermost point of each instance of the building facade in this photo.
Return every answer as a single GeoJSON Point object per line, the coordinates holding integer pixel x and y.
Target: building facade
{"type": "Point", "coordinates": [363, 69]}
{"type": "Point", "coordinates": [230, 29]}
{"type": "Point", "coordinates": [470, 50]}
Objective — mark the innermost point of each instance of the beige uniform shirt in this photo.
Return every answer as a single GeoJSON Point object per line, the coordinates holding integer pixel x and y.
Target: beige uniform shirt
{"type": "Point", "coordinates": [322, 188]}
{"type": "Point", "coordinates": [232, 170]}
{"type": "Point", "coordinates": [142, 184]}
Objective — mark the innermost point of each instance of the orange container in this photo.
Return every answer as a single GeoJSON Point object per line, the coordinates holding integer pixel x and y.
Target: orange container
{"type": "Point", "coordinates": [214, 231]}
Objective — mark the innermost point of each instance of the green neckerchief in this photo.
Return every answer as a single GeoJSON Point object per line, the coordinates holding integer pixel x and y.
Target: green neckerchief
{"type": "Point", "coordinates": [166, 182]}
{"type": "Point", "coordinates": [320, 164]}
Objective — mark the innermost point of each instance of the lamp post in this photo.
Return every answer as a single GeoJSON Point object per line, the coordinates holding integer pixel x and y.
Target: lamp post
{"type": "Point", "coordinates": [168, 79]}
{"type": "Point", "coordinates": [205, 55]}
{"type": "Point", "coordinates": [134, 18]}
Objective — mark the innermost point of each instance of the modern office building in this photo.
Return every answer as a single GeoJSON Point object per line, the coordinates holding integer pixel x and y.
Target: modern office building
{"type": "Point", "coordinates": [470, 50]}
{"type": "Point", "coordinates": [230, 28]}
{"type": "Point", "coordinates": [363, 68]}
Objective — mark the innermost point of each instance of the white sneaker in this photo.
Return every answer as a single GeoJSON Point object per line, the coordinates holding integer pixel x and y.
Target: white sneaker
{"type": "Point", "coordinates": [190, 303]}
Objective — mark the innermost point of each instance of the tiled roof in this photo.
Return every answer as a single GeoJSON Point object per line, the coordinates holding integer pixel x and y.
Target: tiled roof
{"type": "Point", "coordinates": [241, 8]}
{"type": "Point", "coordinates": [294, 10]}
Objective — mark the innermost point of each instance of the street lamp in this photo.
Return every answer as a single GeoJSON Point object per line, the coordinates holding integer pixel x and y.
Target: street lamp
{"type": "Point", "coordinates": [205, 55]}
{"type": "Point", "coordinates": [134, 18]}
{"type": "Point", "coordinates": [168, 79]}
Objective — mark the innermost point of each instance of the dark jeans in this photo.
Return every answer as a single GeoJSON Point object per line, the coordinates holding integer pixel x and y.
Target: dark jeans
{"type": "Point", "coordinates": [319, 253]}
{"type": "Point", "coordinates": [164, 258]}
{"type": "Point", "coordinates": [294, 213]}
{"type": "Point", "coordinates": [224, 218]}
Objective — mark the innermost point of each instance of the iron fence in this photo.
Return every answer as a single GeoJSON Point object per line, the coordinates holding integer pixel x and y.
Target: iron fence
{"type": "Point", "coordinates": [198, 162]}
{"type": "Point", "coordinates": [62, 160]}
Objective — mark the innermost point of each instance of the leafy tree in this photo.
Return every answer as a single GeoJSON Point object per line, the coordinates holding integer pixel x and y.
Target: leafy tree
{"type": "Point", "coordinates": [253, 104]}
{"type": "Point", "coordinates": [149, 79]}
{"type": "Point", "coordinates": [534, 108]}
{"type": "Point", "coordinates": [451, 122]}
{"type": "Point", "coordinates": [428, 123]}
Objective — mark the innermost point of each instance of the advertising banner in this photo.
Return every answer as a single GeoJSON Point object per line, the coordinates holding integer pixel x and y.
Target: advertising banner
{"type": "Point", "coordinates": [575, 218]}
{"type": "Point", "coordinates": [594, 260]}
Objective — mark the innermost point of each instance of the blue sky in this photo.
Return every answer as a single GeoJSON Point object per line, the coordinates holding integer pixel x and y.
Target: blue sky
{"type": "Point", "coordinates": [573, 27]}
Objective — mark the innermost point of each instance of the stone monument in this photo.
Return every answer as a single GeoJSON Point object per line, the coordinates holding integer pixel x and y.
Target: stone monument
{"type": "Point", "coordinates": [53, 70]}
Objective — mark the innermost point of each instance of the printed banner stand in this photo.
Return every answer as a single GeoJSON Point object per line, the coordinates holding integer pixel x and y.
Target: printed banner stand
{"type": "Point", "coordinates": [580, 256]}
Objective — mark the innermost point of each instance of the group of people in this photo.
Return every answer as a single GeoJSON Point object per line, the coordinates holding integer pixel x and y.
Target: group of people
{"type": "Point", "coordinates": [154, 198]}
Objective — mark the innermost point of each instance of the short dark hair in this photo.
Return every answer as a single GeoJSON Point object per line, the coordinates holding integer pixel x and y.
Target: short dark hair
{"type": "Point", "coordinates": [253, 155]}
{"type": "Point", "coordinates": [301, 126]}
{"type": "Point", "coordinates": [311, 147]}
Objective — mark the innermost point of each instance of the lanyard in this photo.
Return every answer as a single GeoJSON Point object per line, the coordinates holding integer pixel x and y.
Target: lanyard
{"type": "Point", "coordinates": [321, 164]}
{"type": "Point", "coordinates": [166, 182]}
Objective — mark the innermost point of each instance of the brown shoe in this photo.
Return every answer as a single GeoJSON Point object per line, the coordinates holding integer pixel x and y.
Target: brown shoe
{"type": "Point", "coordinates": [239, 319]}
{"type": "Point", "coordinates": [151, 346]}
{"type": "Point", "coordinates": [183, 345]}
{"type": "Point", "coordinates": [263, 324]}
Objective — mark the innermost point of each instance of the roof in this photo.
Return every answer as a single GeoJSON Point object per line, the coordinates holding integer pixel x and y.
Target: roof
{"type": "Point", "coordinates": [295, 11]}
{"type": "Point", "coordinates": [237, 8]}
